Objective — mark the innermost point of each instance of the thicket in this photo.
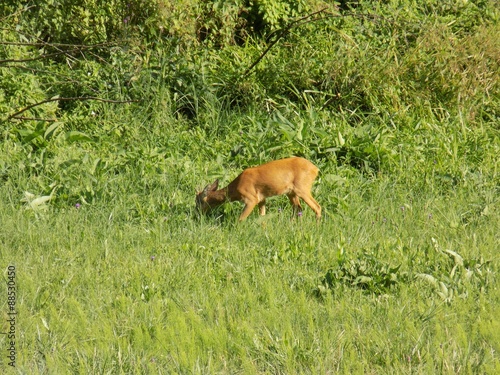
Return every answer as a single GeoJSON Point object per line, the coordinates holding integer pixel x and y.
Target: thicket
{"type": "Point", "coordinates": [95, 89]}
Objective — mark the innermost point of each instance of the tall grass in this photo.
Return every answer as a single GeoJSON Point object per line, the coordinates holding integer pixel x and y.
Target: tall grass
{"type": "Point", "coordinates": [101, 293]}
{"type": "Point", "coordinates": [116, 271]}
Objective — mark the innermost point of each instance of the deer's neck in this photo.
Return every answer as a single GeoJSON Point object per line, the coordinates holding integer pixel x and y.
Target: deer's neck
{"type": "Point", "coordinates": [218, 197]}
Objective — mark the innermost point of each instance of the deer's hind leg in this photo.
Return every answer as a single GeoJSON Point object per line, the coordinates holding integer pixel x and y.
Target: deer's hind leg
{"type": "Point", "coordinates": [295, 201]}
{"type": "Point", "coordinates": [311, 202]}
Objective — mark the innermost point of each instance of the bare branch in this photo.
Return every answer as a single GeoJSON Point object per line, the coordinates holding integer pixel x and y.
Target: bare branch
{"type": "Point", "coordinates": [22, 118]}
{"type": "Point", "coordinates": [280, 33]}
{"type": "Point", "coordinates": [34, 58]}
{"type": "Point", "coordinates": [19, 11]}
{"type": "Point", "coordinates": [78, 48]}
{"type": "Point", "coordinates": [77, 98]}
{"type": "Point", "coordinates": [299, 22]}
{"type": "Point", "coordinates": [48, 44]}
{"type": "Point", "coordinates": [59, 47]}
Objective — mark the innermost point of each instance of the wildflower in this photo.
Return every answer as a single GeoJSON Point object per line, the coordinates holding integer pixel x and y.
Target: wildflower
{"type": "Point", "coordinates": [77, 206]}
{"type": "Point", "coordinates": [299, 214]}
{"type": "Point", "coordinates": [152, 258]}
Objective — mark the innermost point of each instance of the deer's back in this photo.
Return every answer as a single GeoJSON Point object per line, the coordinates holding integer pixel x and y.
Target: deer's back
{"type": "Point", "coordinates": [275, 178]}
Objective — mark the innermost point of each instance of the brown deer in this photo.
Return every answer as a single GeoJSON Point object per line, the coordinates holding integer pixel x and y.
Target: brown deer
{"type": "Point", "coordinates": [292, 176]}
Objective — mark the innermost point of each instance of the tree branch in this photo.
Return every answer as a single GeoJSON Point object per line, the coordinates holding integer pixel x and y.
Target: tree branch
{"type": "Point", "coordinates": [280, 34]}
{"type": "Point", "coordinates": [14, 115]}
{"type": "Point", "coordinates": [77, 48]}
{"type": "Point", "coordinates": [22, 118]}
{"type": "Point", "coordinates": [301, 21]}
{"type": "Point", "coordinates": [40, 43]}
{"type": "Point", "coordinates": [36, 58]}
{"type": "Point", "coordinates": [48, 44]}
{"type": "Point", "coordinates": [15, 13]}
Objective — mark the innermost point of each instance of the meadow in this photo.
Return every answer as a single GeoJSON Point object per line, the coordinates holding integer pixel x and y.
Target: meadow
{"type": "Point", "coordinates": [113, 119]}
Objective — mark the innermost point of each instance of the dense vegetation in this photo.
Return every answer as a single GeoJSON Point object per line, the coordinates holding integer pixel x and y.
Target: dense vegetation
{"type": "Point", "coordinates": [113, 113]}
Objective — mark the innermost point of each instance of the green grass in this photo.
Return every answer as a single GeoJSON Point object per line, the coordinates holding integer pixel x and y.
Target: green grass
{"type": "Point", "coordinates": [100, 294]}
{"type": "Point", "coordinates": [117, 273]}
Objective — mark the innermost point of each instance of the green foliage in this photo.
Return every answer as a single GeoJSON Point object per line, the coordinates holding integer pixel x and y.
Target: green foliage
{"type": "Point", "coordinates": [95, 274]}
{"type": "Point", "coordinates": [273, 14]}
{"type": "Point", "coordinates": [457, 276]}
{"type": "Point", "coordinates": [450, 275]}
{"type": "Point", "coordinates": [84, 22]}
{"type": "Point", "coordinates": [109, 127]}
{"type": "Point", "coordinates": [367, 273]}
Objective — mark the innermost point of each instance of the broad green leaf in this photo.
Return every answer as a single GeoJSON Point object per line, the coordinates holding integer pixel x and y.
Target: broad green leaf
{"type": "Point", "coordinates": [76, 136]}
{"type": "Point", "coordinates": [52, 129]}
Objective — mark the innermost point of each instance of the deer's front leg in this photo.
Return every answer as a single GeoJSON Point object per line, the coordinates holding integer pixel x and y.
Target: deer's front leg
{"type": "Point", "coordinates": [262, 207]}
{"type": "Point", "coordinates": [249, 206]}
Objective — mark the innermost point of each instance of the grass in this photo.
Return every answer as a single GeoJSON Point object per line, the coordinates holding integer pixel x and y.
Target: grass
{"type": "Point", "coordinates": [116, 272]}
{"type": "Point", "coordinates": [98, 293]}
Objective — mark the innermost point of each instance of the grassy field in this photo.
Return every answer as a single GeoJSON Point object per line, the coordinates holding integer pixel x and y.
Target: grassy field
{"type": "Point", "coordinates": [114, 271]}
{"type": "Point", "coordinates": [397, 282]}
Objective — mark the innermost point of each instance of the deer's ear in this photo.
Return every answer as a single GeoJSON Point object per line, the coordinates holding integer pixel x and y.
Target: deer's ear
{"type": "Point", "coordinates": [210, 187]}
{"type": "Point", "coordinates": [215, 185]}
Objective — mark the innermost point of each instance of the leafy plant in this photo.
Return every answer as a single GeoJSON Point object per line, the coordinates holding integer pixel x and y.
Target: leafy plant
{"type": "Point", "coordinates": [366, 272]}
{"type": "Point", "coordinates": [459, 276]}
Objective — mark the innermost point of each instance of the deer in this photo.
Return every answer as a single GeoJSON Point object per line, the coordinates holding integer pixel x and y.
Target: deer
{"type": "Point", "coordinates": [293, 177]}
